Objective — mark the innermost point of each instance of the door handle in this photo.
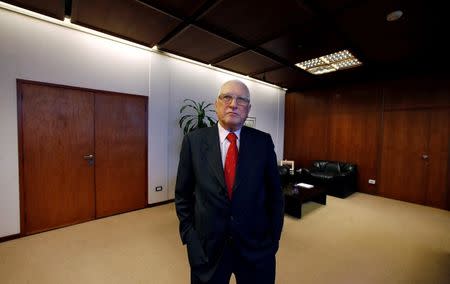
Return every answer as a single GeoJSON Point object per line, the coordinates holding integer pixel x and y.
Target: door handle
{"type": "Point", "coordinates": [88, 157]}
{"type": "Point", "coordinates": [425, 156]}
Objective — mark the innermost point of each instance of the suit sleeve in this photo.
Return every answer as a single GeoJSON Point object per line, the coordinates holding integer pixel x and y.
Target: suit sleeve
{"type": "Point", "coordinates": [185, 206]}
{"type": "Point", "coordinates": [275, 194]}
{"type": "Point", "coordinates": [184, 191]}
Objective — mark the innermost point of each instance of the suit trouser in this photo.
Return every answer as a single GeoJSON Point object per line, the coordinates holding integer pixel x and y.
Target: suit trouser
{"type": "Point", "coordinates": [262, 272]}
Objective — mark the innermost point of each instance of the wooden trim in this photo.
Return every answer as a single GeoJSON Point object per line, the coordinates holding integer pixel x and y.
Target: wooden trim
{"type": "Point", "coordinates": [9, 238]}
{"type": "Point", "coordinates": [327, 131]}
{"type": "Point", "coordinates": [20, 148]}
{"type": "Point", "coordinates": [448, 172]}
{"type": "Point", "coordinates": [146, 150]}
{"type": "Point", "coordinates": [95, 91]}
{"type": "Point", "coordinates": [380, 145]}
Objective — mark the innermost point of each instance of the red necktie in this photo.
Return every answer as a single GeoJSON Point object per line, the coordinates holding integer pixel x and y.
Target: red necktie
{"type": "Point", "coordinates": [231, 162]}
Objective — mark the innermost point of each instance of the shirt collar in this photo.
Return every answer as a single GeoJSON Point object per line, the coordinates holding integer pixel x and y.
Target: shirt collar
{"type": "Point", "coordinates": [223, 133]}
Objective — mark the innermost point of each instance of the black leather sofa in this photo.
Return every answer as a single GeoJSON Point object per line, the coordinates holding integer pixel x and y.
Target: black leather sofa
{"type": "Point", "coordinates": [337, 178]}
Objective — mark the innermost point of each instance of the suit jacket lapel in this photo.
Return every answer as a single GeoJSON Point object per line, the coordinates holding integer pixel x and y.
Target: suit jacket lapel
{"type": "Point", "coordinates": [242, 157]}
{"type": "Point", "coordinates": [211, 150]}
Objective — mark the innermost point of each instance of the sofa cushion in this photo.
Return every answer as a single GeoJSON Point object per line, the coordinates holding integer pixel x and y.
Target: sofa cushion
{"type": "Point", "coordinates": [323, 175]}
{"type": "Point", "coordinates": [332, 168]}
{"type": "Point", "coordinates": [319, 165]}
{"type": "Point", "coordinates": [347, 167]}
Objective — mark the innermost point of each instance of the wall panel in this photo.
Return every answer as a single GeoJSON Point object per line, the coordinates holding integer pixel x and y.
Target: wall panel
{"type": "Point", "coordinates": [354, 130]}
{"type": "Point", "coordinates": [350, 122]}
{"type": "Point", "coordinates": [307, 120]}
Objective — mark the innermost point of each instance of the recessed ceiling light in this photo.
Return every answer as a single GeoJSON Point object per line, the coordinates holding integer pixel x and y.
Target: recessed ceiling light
{"type": "Point", "coordinates": [394, 16]}
{"type": "Point", "coordinates": [329, 63]}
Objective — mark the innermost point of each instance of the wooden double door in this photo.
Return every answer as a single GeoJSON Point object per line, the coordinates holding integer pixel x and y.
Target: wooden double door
{"type": "Point", "coordinates": [415, 156]}
{"type": "Point", "coordinates": [83, 154]}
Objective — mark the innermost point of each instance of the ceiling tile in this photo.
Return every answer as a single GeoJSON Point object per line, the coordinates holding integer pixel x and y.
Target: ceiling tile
{"type": "Point", "coordinates": [385, 42]}
{"type": "Point", "coordinates": [52, 8]}
{"type": "Point", "coordinates": [286, 77]}
{"type": "Point", "coordinates": [177, 7]}
{"type": "Point", "coordinates": [255, 21]}
{"type": "Point", "coordinates": [313, 41]}
{"type": "Point", "coordinates": [335, 6]}
{"type": "Point", "coordinates": [248, 63]}
{"type": "Point", "coordinates": [125, 18]}
{"type": "Point", "coordinates": [198, 44]}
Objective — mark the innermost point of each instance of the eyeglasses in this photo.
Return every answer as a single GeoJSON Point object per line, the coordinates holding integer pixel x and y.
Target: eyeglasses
{"type": "Point", "coordinates": [240, 101]}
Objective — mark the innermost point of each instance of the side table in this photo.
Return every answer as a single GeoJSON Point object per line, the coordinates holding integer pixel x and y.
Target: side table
{"type": "Point", "coordinates": [294, 197]}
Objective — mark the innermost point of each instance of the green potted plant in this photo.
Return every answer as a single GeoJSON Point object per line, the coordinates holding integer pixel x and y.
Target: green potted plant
{"type": "Point", "coordinates": [195, 115]}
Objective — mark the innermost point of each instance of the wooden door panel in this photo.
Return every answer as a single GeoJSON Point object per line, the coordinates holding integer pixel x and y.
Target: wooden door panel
{"type": "Point", "coordinates": [121, 153]}
{"type": "Point", "coordinates": [402, 177]}
{"type": "Point", "coordinates": [438, 168]}
{"type": "Point", "coordinates": [403, 170]}
{"type": "Point", "coordinates": [57, 131]}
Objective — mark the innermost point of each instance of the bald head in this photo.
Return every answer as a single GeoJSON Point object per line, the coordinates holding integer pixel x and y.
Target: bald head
{"type": "Point", "coordinates": [233, 105]}
{"type": "Point", "coordinates": [235, 84]}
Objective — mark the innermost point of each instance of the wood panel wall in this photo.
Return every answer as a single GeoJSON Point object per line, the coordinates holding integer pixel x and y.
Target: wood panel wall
{"type": "Point", "coordinates": [345, 122]}
{"type": "Point", "coordinates": [306, 138]}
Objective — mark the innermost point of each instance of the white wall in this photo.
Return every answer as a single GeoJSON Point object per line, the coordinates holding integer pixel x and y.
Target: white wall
{"type": "Point", "coordinates": [36, 50]}
{"type": "Point", "coordinates": [201, 83]}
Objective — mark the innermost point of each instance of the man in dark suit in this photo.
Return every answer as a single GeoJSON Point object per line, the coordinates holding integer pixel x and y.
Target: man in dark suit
{"type": "Point", "coordinates": [228, 196]}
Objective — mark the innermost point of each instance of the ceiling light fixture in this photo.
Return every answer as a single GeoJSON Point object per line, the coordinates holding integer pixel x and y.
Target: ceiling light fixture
{"type": "Point", "coordinates": [329, 63]}
{"type": "Point", "coordinates": [394, 16]}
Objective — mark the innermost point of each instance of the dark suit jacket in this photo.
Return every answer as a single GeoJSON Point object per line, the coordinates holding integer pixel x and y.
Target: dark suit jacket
{"type": "Point", "coordinates": [253, 219]}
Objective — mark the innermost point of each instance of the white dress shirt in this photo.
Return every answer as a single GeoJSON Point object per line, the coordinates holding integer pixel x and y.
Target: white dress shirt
{"type": "Point", "coordinates": [224, 143]}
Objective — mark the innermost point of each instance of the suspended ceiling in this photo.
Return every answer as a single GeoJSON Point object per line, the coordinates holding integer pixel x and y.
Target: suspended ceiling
{"type": "Point", "coordinates": [265, 39]}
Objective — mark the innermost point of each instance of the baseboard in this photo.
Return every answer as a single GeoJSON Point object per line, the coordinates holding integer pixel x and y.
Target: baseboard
{"type": "Point", "coordinates": [8, 238]}
{"type": "Point", "coordinates": [160, 203]}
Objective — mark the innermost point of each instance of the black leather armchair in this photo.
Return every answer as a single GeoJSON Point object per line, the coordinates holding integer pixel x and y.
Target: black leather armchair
{"type": "Point", "coordinates": [285, 176]}
{"type": "Point", "coordinates": [338, 178]}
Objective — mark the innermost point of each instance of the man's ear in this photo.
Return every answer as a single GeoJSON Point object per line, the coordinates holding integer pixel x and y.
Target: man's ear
{"type": "Point", "coordinates": [215, 104]}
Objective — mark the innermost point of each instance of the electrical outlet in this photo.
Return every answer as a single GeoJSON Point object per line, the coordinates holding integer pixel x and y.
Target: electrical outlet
{"type": "Point", "coordinates": [159, 188]}
{"type": "Point", "coordinates": [372, 181]}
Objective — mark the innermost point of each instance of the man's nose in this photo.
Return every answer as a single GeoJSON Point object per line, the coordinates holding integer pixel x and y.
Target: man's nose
{"type": "Point", "coordinates": [233, 103]}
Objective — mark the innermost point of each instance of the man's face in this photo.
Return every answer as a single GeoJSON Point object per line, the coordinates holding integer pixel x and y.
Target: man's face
{"type": "Point", "coordinates": [233, 105]}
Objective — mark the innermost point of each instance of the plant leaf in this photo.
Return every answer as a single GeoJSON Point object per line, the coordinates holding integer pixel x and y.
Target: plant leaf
{"type": "Point", "coordinates": [186, 106]}
{"type": "Point", "coordinates": [189, 100]}
{"type": "Point", "coordinates": [183, 118]}
{"type": "Point", "coordinates": [211, 121]}
{"type": "Point", "coordinates": [188, 124]}
{"type": "Point", "coordinates": [193, 102]}
{"type": "Point", "coordinates": [208, 105]}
